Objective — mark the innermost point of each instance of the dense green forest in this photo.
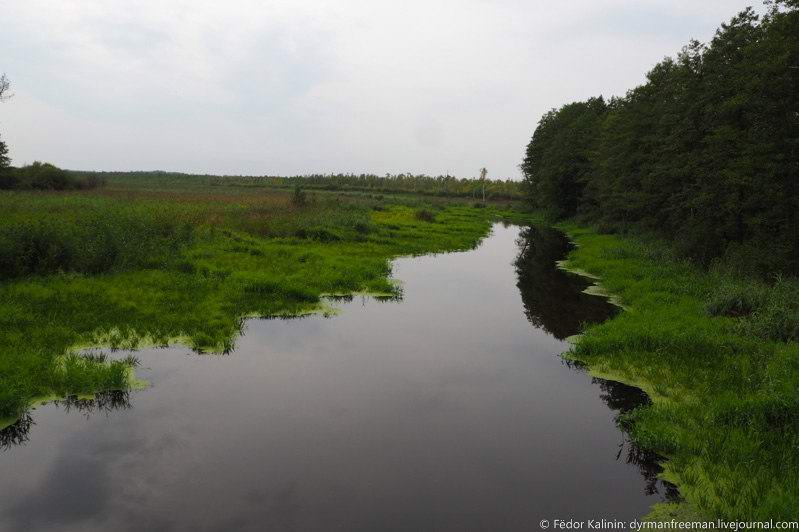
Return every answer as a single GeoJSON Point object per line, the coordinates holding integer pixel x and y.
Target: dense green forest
{"type": "Point", "coordinates": [700, 162]}
{"type": "Point", "coordinates": [705, 153]}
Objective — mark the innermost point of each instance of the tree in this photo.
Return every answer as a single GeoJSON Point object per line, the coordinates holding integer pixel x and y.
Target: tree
{"type": "Point", "coordinates": [6, 178]}
{"type": "Point", "coordinates": [5, 161]}
{"type": "Point", "coordinates": [483, 175]}
{"type": "Point", "coordinates": [5, 85]}
{"type": "Point", "coordinates": [559, 159]}
{"type": "Point", "coordinates": [298, 198]}
{"type": "Point", "coordinates": [705, 152]}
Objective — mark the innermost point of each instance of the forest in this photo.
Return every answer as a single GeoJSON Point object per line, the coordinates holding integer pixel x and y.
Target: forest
{"type": "Point", "coordinates": [682, 197]}
{"type": "Point", "coordinates": [704, 154]}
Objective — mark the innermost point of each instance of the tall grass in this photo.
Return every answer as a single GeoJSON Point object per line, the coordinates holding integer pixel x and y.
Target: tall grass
{"type": "Point", "coordinates": [122, 268]}
{"type": "Point", "coordinates": [93, 238]}
{"type": "Point", "coordinates": [718, 354]}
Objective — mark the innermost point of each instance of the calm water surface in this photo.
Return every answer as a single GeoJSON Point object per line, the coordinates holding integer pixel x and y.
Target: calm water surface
{"type": "Point", "coordinates": [448, 410]}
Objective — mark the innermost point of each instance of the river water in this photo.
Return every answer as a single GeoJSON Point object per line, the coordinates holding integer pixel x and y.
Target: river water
{"type": "Point", "coordinates": [450, 409]}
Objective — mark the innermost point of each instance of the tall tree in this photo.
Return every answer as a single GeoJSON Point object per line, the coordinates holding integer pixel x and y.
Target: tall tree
{"type": "Point", "coordinates": [6, 177]}
{"type": "Point", "coordinates": [483, 175]}
{"type": "Point", "coordinates": [705, 152]}
{"type": "Point", "coordinates": [559, 158]}
{"type": "Point", "coordinates": [5, 85]}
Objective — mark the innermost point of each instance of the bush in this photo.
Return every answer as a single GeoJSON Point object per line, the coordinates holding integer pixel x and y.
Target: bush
{"type": "Point", "coordinates": [45, 176]}
{"type": "Point", "coordinates": [425, 215]}
{"type": "Point", "coordinates": [8, 179]}
{"type": "Point", "coordinates": [299, 198]}
{"type": "Point", "coordinates": [734, 299]}
{"type": "Point", "coordinates": [777, 316]}
{"type": "Point", "coordinates": [769, 312]}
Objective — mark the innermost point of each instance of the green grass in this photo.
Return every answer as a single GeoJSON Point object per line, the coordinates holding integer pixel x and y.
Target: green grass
{"type": "Point", "coordinates": [718, 355]}
{"type": "Point", "coordinates": [124, 268]}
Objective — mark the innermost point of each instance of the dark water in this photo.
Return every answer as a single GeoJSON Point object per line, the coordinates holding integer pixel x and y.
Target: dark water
{"type": "Point", "coordinates": [449, 410]}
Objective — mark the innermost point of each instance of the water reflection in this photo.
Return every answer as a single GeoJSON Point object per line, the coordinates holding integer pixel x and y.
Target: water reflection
{"type": "Point", "coordinates": [447, 411]}
{"type": "Point", "coordinates": [18, 433]}
{"type": "Point", "coordinates": [553, 299]}
{"type": "Point", "coordinates": [102, 403]}
{"type": "Point", "coordinates": [623, 399]}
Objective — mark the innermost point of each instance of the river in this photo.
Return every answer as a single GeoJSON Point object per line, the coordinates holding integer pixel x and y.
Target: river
{"type": "Point", "coordinates": [449, 409]}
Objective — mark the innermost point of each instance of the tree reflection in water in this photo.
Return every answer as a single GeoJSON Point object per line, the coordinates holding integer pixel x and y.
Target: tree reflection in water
{"type": "Point", "coordinates": [554, 301]}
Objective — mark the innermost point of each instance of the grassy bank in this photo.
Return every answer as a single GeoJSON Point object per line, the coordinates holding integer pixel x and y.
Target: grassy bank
{"type": "Point", "coordinates": [124, 268]}
{"type": "Point", "coordinates": [719, 356]}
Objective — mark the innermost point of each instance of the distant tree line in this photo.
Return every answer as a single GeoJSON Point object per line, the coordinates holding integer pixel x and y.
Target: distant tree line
{"type": "Point", "coordinates": [45, 176]}
{"type": "Point", "coordinates": [705, 153]}
{"type": "Point", "coordinates": [442, 185]}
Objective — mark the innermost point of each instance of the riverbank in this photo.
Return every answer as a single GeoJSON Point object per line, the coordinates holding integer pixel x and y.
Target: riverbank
{"type": "Point", "coordinates": [426, 410]}
{"type": "Point", "coordinates": [718, 355]}
{"type": "Point", "coordinates": [130, 268]}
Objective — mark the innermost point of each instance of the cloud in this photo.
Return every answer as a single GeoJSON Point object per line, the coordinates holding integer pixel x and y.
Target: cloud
{"type": "Point", "coordinates": [296, 86]}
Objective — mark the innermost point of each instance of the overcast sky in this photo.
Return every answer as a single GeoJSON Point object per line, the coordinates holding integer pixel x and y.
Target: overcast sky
{"type": "Point", "coordinates": [299, 86]}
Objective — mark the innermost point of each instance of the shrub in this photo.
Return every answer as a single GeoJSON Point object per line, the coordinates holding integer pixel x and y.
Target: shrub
{"type": "Point", "coordinates": [45, 176]}
{"type": "Point", "coordinates": [777, 316]}
{"type": "Point", "coordinates": [425, 215]}
{"type": "Point", "coordinates": [299, 198]}
{"type": "Point", "coordinates": [734, 299]}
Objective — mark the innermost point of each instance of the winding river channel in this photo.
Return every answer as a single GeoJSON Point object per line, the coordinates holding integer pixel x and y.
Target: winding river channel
{"type": "Point", "coordinates": [450, 409]}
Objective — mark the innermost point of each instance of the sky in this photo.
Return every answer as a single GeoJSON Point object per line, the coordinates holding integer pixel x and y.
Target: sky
{"type": "Point", "coordinates": [286, 87]}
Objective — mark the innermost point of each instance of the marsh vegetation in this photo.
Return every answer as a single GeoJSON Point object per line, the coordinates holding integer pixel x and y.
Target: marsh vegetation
{"type": "Point", "coordinates": [412, 408]}
{"type": "Point", "coordinates": [688, 183]}
{"type": "Point", "coordinates": [124, 265]}
{"type": "Point", "coordinates": [681, 195]}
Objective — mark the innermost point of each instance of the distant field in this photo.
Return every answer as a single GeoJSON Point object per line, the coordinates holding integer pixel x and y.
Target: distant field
{"type": "Point", "coordinates": [444, 186]}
